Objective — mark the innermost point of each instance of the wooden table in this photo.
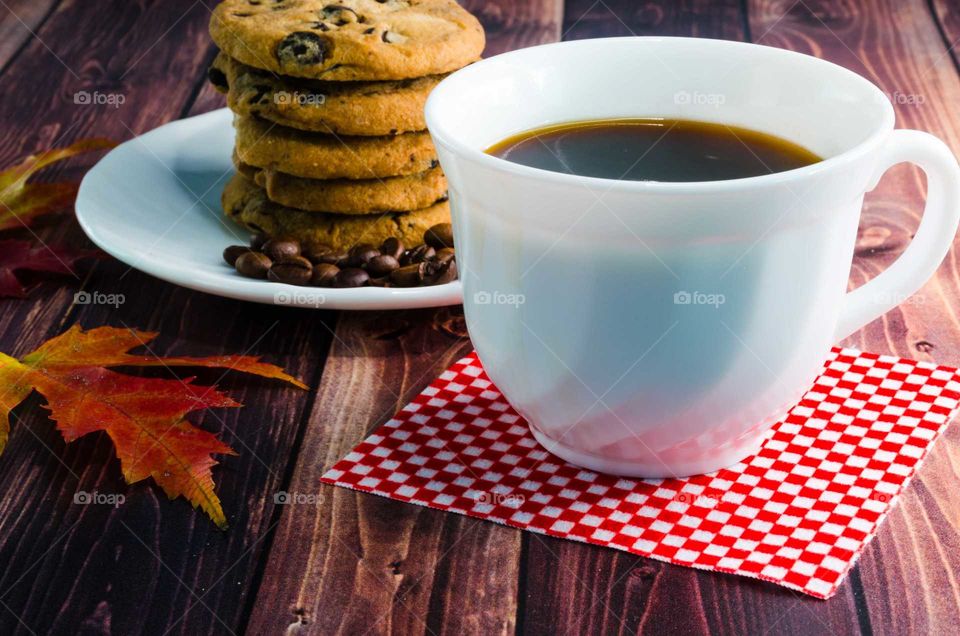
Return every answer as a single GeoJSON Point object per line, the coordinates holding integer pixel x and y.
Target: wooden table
{"type": "Point", "coordinates": [361, 564]}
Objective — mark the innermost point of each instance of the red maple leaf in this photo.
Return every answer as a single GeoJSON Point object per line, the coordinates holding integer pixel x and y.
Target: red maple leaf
{"type": "Point", "coordinates": [20, 256]}
{"type": "Point", "coordinates": [22, 202]}
{"type": "Point", "coordinates": [144, 417]}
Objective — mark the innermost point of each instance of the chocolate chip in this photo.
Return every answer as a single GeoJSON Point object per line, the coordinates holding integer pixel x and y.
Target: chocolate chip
{"type": "Point", "coordinates": [218, 78]}
{"type": "Point", "coordinates": [253, 265]}
{"type": "Point", "coordinates": [278, 250]}
{"type": "Point", "coordinates": [381, 265]}
{"type": "Point", "coordinates": [294, 270]}
{"type": "Point", "coordinates": [351, 277]}
{"type": "Point", "coordinates": [302, 48]}
{"type": "Point", "coordinates": [392, 38]}
{"type": "Point", "coordinates": [324, 274]}
{"type": "Point", "coordinates": [439, 236]}
{"type": "Point", "coordinates": [232, 253]}
{"type": "Point", "coordinates": [341, 14]}
{"type": "Point", "coordinates": [392, 247]}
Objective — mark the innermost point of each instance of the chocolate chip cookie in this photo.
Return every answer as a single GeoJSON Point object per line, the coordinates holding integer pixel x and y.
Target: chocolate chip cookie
{"type": "Point", "coordinates": [346, 108]}
{"type": "Point", "coordinates": [348, 39]}
{"type": "Point", "coordinates": [317, 156]}
{"type": "Point", "coordinates": [351, 196]}
{"type": "Point", "coordinates": [248, 205]}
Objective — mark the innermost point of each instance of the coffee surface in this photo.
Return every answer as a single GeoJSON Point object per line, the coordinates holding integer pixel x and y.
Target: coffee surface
{"type": "Point", "coordinates": [653, 149]}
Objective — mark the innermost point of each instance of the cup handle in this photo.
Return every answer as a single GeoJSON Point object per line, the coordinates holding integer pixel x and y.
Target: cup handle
{"type": "Point", "coordinates": [933, 238]}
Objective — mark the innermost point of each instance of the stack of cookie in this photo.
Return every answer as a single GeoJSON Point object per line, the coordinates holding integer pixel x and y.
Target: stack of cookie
{"type": "Point", "coordinates": [331, 146]}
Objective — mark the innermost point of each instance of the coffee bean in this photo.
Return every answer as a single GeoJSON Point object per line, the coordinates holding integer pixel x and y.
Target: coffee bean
{"type": "Point", "coordinates": [232, 253]}
{"type": "Point", "coordinates": [351, 277]}
{"type": "Point", "coordinates": [323, 274]}
{"type": "Point", "coordinates": [392, 247]}
{"type": "Point", "coordinates": [253, 265]}
{"type": "Point", "coordinates": [360, 255]}
{"type": "Point", "coordinates": [444, 255]}
{"type": "Point", "coordinates": [417, 255]}
{"type": "Point", "coordinates": [257, 241]}
{"type": "Point", "coordinates": [318, 253]}
{"type": "Point", "coordinates": [302, 48]}
{"type": "Point", "coordinates": [295, 270]}
{"type": "Point", "coordinates": [441, 273]}
{"type": "Point", "coordinates": [407, 276]}
{"type": "Point", "coordinates": [278, 249]}
{"type": "Point", "coordinates": [333, 258]}
{"type": "Point", "coordinates": [381, 265]}
{"type": "Point", "coordinates": [439, 236]}
{"type": "Point", "coordinates": [383, 281]}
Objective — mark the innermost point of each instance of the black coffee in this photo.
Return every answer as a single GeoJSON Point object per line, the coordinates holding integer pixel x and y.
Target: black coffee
{"type": "Point", "coordinates": [653, 149]}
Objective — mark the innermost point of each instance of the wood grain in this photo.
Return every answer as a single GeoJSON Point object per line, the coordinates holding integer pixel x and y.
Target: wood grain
{"type": "Point", "coordinates": [149, 565]}
{"type": "Point", "coordinates": [360, 562]}
{"type": "Point", "coordinates": [947, 14]}
{"type": "Point", "coordinates": [369, 563]}
{"type": "Point", "coordinates": [695, 18]}
{"type": "Point", "coordinates": [907, 572]}
{"type": "Point", "coordinates": [19, 20]}
{"type": "Point", "coordinates": [357, 563]}
{"type": "Point", "coordinates": [514, 25]}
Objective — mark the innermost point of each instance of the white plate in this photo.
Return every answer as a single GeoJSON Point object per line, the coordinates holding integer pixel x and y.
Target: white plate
{"type": "Point", "coordinates": [154, 203]}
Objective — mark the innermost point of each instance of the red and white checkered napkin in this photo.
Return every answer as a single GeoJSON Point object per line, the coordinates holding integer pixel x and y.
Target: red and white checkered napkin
{"type": "Point", "coordinates": [798, 513]}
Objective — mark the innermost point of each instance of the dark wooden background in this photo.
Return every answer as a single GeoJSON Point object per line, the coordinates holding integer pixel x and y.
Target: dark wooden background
{"type": "Point", "coordinates": [360, 564]}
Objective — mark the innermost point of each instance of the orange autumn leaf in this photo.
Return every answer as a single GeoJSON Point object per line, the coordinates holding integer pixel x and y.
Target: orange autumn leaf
{"type": "Point", "coordinates": [21, 202]}
{"type": "Point", "coordinates": [144, 417]}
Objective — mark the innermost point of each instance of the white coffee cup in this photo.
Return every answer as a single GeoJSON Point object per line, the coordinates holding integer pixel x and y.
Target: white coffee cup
{"type": "Point", "coordinates": [658, 329]}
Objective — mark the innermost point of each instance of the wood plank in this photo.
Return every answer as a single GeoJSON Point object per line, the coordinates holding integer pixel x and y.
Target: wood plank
{"type": "Point", "coordinates": [359, 562]}
{"type": "Point", "coordinates": [947, 15]}
{"type": "Point", "coordinates": [694, 18]}
{"type": "Point", "coordinates": [907, 574]}
{"type": "Point", "coordinates": [150, 565]}
{"type": "Point", "coordinates": [514, 25]}
{"type": "Point", "coordinates": [577, 589]}
{"type": "Point", "coordinates": [19, 21]}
